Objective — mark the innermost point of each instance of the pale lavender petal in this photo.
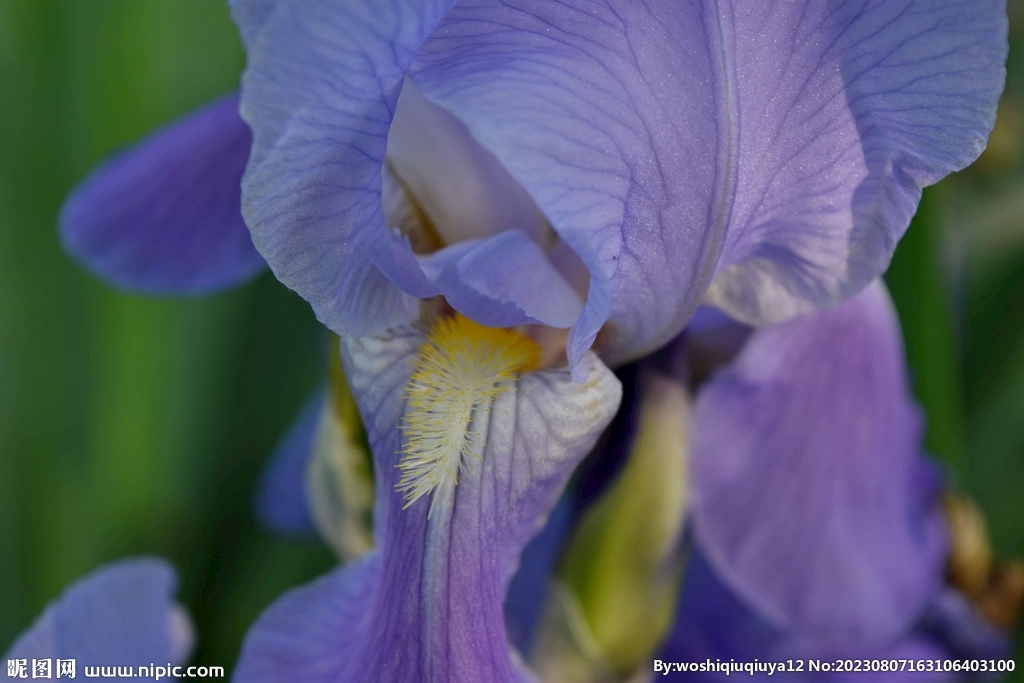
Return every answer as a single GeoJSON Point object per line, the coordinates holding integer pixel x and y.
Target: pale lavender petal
{"type": "Point", "coordinates": [503, 281]}
{"type": "Point", "coordinates": [601, 112]}
{"type": "Point", "coordinates": [164, 216]}
{"type": "Point", "coordinates": [320, 92]}
{"type": "Point", "coordinates": [427, 605]}
{"type": "Point", "coordinates": [281, 503]}
{"type": "Point", "coordinates": [811, 495]}
{"type": "Point", "coordinates": [847, 109]}
{"type": "Point", "coordinates": [668, 141]}
{"type": "Point", "coordinates": [123, 614]}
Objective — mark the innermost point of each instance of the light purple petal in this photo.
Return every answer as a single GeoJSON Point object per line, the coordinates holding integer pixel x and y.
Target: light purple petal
{"type": "Point", "coordinates": [811, 497]}
{"type": "Point", "coordinates": [313, 189]}
{"type": "Point", "coordinates": [503, 281]}
{"type": "Point", "coordinates": [164, 217]}
{"type": "Point", "coordinates": [281, 503]}
{"type": "Point", "coordinates": [780, 147]}
{"type": "Point", "coordinates": [847, 109]}
{"type": "Point", "coordinates": [667, 141]}
{"type": "Point", "coordinates": [320, 92]}
{"type": "Point", "coordinates": [428, 604]}
{"type": "Point", "coordinates": [123, 614]}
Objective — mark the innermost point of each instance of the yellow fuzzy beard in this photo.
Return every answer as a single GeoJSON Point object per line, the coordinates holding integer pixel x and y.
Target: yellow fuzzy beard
{"type": "Point", "coordinates": [460, 369]}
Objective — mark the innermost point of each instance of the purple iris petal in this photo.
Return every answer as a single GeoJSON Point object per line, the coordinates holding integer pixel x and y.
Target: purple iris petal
{"type": "Point", "coordinates": [778, 146]}
{"type": "Point", "coordinates": [811, 496]}
{"type": "Point", "coordinates": [123, 614]}
{"type": "Point", "coordinates": [281, 503]}
{"type": "Point", "coordinates": [427, 605]}
{"type": "Point", "coordinates": [676, 139]}
{"type": "Point", "coordinates": [711, 622]}
{"type": "Point", "coordinates": [164, 216]}
{"type": "Point", "coordinates": [503, 281]}
{"type": "Point", "coordinates": [320, 92]}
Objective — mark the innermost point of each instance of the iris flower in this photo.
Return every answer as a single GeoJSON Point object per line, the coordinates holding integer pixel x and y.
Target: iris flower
{"type": "Point", "coordinates": [121, 615]}
{"type": "Point", "coordinates": [596, 168]}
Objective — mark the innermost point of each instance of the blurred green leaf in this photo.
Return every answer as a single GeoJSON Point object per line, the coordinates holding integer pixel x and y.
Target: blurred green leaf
{"type": "Point", "coordinates": [920, 288]}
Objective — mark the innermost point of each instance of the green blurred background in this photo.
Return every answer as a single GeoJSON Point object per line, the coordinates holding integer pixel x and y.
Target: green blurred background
{"type": "Point", "coordinates": [136, 425]}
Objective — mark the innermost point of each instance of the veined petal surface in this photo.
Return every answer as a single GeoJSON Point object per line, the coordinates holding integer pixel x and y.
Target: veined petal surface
{"type": "Point", "coordinates": [772, 152]}
{"type": "Point", "coordinates": [319, 92]}
{"type": "Point", "coordinates": [427, 604]}
{"type": "Point", "coordinates": [164, 217]}
{"type": "Point", "coordinates": [778, 146]}
{"type": "Point", "coordinates": [812, 499]}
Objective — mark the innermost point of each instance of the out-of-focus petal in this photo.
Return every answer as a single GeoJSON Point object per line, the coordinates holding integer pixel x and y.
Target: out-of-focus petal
{"type": "Point", "coordinates": [427, 605]}
{"type": "Point", "coordinates": [954, 621]}
{"type": "Point", "coordinates": [164, 217]}
{"type": "Point", "coordinates": [123, 614]}
{"type": "Point", "coordinates": [812, 499]}
{"type": "Point", "coordinates": [320, 479]}
{"type": "Point", "coordinates": [339, 476]}
{"type": "Point", "coordinates": [281, 498]}
{"type": "Point", "coordinates": [781, 145]}
{"type": "Point", "coordinates": [313, 632]}
{"type": "Point", "coordinates": [712, 623]}
{"type": "Point", "coordinates": [529, 586]}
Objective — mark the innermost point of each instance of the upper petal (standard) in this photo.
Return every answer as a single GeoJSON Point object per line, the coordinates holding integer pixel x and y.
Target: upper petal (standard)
{"type": "Point", "coordinates": [779, 147]}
